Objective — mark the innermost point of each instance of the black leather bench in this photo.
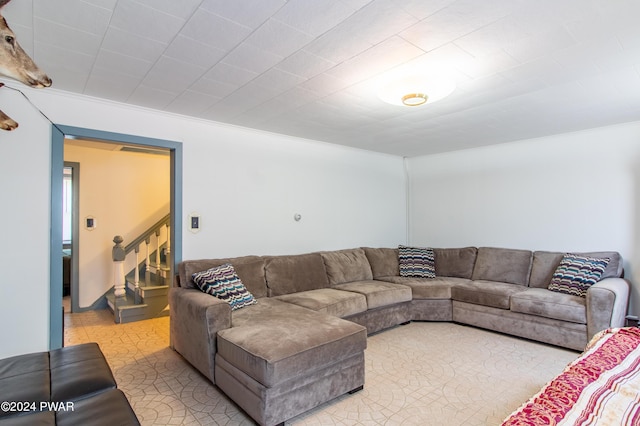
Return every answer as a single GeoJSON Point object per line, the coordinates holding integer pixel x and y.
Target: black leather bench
{"type": "Point", "coordinates": [68, 386]}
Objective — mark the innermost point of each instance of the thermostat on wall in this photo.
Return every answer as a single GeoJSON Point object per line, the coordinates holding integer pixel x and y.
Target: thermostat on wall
{"type": "Point", "coordinates": [90, 223]}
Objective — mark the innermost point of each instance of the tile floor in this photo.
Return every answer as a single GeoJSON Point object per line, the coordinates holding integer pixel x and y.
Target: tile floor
{"type": "Point", "coordinates": [418, 374]}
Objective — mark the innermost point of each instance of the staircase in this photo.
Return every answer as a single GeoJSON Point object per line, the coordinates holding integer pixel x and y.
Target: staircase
{"type": "Point", "coordinates": [141, 293]}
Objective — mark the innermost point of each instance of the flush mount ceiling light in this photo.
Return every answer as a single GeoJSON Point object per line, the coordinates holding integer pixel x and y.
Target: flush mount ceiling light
{"type": "Point", "coordinates": [416, 89]}
{"type": "Point", "coordinates": [414, 99]}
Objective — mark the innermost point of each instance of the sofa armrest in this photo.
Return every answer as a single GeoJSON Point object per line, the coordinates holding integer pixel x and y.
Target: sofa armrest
{"type": "Point", "coordinates": [606, 305]}
{"type": "Point", "coordinates": [196, 318]}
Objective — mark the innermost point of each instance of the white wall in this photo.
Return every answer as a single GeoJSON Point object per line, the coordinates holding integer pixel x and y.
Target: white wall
{"type": "Point", "coordinates": [245, 184]}
{"type": "Point", "coordinates": [571, 192]}
{"type": "Point", "coordinates": [125, 193]}
{"type": "Point", "coordinates": [25, 189]}
{"type": "Point", "coordinates": [248, 189]}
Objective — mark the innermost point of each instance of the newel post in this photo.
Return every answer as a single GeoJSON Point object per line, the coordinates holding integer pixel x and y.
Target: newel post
{"type": "Point", "coordinates": [118, 255]}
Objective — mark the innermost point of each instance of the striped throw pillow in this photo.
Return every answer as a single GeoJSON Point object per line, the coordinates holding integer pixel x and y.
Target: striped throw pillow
{"type": "Point", "coordinates": [576, 274]}
{"type": "Point", "coordinates": [416, 262]}
{"type": "Point", "coordinates": [223, 282]}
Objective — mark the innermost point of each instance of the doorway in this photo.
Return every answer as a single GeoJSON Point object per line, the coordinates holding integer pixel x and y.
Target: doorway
{"type": "Point", "coordinates": [59, 133]}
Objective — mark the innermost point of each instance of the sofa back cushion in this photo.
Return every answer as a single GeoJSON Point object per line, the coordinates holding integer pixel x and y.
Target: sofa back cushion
{"type": "Point", "coordinates": [344, 266]}
{"type": "Point", "coordinates": [250, 270]}
{"type": "Point", "coordinates": [455, 262]}
{"type": "Point", "coordinates": [291, 274]}
{"type": "Point", "coordinates": [383, 261]}
{"type": "Point", "coordinates": [503, 265]}
{"type": "Point", "coordinates": [545, 264]}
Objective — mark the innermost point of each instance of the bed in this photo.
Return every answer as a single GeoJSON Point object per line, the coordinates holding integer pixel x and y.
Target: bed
{"type": "Point", "coordinates": [601, 387]}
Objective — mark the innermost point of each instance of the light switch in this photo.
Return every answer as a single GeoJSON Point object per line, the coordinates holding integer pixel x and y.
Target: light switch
{"type": "Point", "coordinates": [194, 222]}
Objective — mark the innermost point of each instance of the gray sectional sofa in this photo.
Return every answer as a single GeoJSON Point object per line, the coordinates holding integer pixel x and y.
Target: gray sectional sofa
{"type": "Point", "coordinates": [303, 342]}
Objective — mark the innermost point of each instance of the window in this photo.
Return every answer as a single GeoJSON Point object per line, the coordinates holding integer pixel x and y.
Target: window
{"type": "Point", "coordinates": [67, 206]}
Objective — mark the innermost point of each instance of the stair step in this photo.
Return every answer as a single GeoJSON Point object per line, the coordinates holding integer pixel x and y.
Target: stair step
{"type": "Point", "coordinates": [154, 291]}
{"type": "Point", "coordinates": [154, 304]}
{"type": "Point", "coordinates": [146, 280]}
{"type": "Point", "coordinates": [148, 290]}
{"type": "Point", "coordinates": [127, 300]}
{"type": "Point", "coordinates": [132, 313]}
{"type": "Point", "coordinates": [163, 266]}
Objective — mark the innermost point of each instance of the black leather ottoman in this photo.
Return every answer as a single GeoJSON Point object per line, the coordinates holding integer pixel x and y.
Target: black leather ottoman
{"type": "Point", "coordinates": [68, 386]}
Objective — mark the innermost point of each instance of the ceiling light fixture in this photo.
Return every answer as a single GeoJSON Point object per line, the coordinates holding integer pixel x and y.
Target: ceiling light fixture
{"type": "Point", "coordinates": [414, 99]}
{"type": "Point", "coordinates": [416, 89]}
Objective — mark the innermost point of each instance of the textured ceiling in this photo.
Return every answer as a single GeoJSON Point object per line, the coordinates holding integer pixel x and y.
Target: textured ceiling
{"type": "Point", "coordinates": [310, 68]}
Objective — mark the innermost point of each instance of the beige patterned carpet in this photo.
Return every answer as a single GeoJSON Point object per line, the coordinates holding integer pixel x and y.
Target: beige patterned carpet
{"type": "Point", "coordinates": [418, 374]}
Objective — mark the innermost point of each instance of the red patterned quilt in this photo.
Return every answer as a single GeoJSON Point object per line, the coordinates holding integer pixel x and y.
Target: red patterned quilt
{"type": "Point", "coordinates": [601, 387]}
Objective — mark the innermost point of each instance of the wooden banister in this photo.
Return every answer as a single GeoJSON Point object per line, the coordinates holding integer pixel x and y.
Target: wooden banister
{"type": "Point", "coordinates": [165, 221]}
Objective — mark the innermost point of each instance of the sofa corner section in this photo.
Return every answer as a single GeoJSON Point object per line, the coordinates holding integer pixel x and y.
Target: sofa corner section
{"type": "Point", "coordinates": [195, 319]}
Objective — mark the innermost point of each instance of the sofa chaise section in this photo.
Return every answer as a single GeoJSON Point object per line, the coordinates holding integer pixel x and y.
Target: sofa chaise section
{"type": "Point", "coordinates": [275, 359]}
{"type": "Point", "coordinates": [275, 371]}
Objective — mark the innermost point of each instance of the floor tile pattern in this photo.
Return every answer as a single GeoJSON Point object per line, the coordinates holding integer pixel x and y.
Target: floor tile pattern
{"type": "Point", "coordinates": [417, 374]}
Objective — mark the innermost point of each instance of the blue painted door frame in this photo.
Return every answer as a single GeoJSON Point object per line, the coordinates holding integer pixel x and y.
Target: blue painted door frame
{"type": "Point", "coordinates": [58, 134]}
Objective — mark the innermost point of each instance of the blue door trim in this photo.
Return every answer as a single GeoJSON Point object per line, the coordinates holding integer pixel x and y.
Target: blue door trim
{"type": "Point", "coordinates": [58, 134]}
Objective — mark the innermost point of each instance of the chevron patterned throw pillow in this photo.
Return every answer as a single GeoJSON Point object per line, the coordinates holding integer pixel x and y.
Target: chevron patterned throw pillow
{"type": "Point", "coordinates": [223, 282]}
{"type": "Point", "coordinates": [576, 274]}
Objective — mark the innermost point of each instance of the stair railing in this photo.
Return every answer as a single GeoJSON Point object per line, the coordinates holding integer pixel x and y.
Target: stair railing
{"type": "Point", "coordinates": [120, 253]}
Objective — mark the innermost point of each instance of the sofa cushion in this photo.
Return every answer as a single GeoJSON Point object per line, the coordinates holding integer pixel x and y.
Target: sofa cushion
{"type": "Point", "coordinates": [576, 274]}
{"type": "Point", "coordinates": [25, 378]}
{"type": "Point", "coordinates": [107, 408]}
{"type": "Point", "coordinates": [383, 261]}
{"type": "Point", "coordinates": [329, 301]}
{"type": "Point", "coordinates": [290, 274]}
{"type": "Point", "coordinates": [416, 262]}
{"type": "Point", "coordinates": [345, 266]}
{"type": "Point", "coordinates": [427, 288]}
{"type": "Point", "coordinates": [78, 371]}
{"type": "Point", "coordinates": [487, 293]}
{"type": "Point", "coordinates": [250, 269]}
{"type": "Point", "coordinates": [223, 283]}
{"type": "Point", "coordinates": [32, 418]}
{"type": "Point", "coordinates": [545, 264]}
{"type": "Point", "coordinates": [68, 376]}
{"type": "Point", "coordinates": [378, 293]}
{"type": "Point", "coordinates": [502, 265]}
{"type": "Point", "coordinates": [263, 344]}
{"type": "Point", "coordinates": [614, 268]}
{"type": "Point", "coordinates": [549, 304]}
{"type": "Point", "coordinates": [455, 262]}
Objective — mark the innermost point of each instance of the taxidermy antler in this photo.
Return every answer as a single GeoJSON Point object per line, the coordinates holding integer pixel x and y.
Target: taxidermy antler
{"type": "Point", "coordinates": [16, 64]}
